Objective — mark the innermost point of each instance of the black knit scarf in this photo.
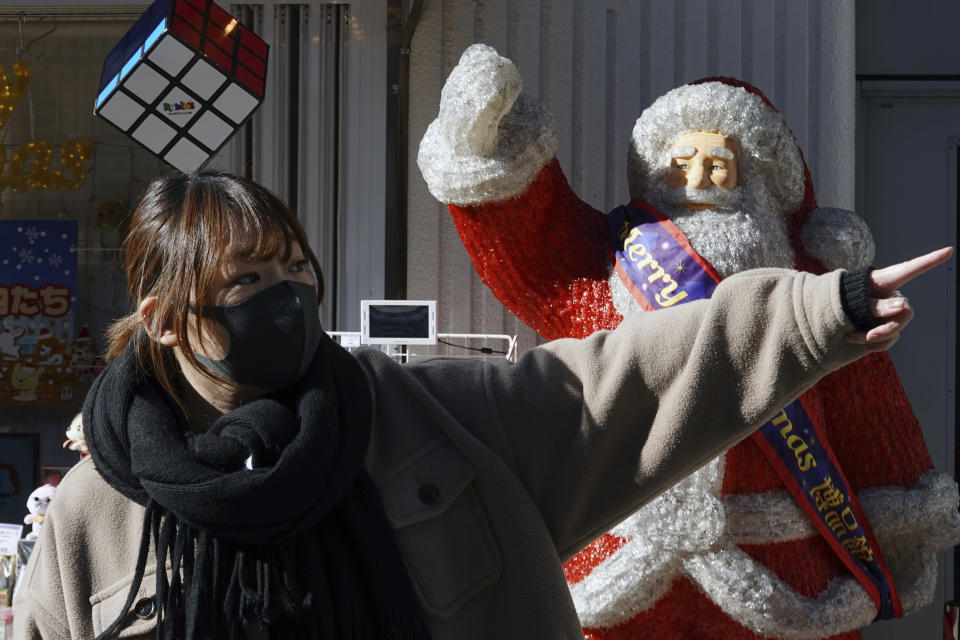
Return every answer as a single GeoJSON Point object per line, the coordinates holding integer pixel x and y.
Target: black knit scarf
{"type": "Point", "coordinates": [299, 544]}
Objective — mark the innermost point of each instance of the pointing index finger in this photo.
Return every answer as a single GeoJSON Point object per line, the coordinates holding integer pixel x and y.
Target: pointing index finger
{"type": "Point", "coordinates": [885, 281]}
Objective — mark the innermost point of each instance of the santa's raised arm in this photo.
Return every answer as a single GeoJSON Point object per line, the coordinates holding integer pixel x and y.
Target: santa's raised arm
{"type": "Point", "coordinates": [490, 156]}
{"type": "Point", "coordinates": [546, 254]}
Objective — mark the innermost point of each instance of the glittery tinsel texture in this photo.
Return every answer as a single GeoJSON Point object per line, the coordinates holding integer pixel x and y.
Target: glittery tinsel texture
{"type": "Point", "coordinates": [727, 552]}
{"type": "Point", "coordinates": [488, 140]}
{"type": "Point", "coordinates": [548, 262]}
{"type": "Point", "coordinates": [840, 239]}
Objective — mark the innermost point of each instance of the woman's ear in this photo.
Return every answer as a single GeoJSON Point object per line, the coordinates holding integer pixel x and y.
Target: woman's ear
{"type": "Point", "coordinates": [164, 335]}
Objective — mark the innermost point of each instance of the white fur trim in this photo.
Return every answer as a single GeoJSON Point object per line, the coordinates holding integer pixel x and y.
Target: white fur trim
{"type": "Point", "coordinates": [489, 141]}
{"type": "Point", "coordinates": [754, 596]}
{"type": "Point", "coordinates": [690, 530]}
{"type": "Point", "coordinates": [840, 239]}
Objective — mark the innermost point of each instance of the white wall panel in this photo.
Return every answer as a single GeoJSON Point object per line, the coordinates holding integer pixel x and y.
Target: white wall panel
{"type": "Point", "coordinates": [327, 95]}
{"type": "Point", "coordinates": [597, 64]}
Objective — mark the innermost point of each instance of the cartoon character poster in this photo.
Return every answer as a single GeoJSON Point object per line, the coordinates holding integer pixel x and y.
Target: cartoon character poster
{"type": "Point", "coordinates": [41, 360]}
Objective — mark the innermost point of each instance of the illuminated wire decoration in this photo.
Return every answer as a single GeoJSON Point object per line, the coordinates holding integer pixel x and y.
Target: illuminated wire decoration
{"type": "Point", "coordinates": [182, 80]}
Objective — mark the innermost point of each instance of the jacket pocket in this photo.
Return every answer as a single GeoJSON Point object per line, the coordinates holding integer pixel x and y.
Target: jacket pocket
{"type": "Point", "coordinates": [140, 621]}
{"type": "Point", "coordinates": [441, 527]}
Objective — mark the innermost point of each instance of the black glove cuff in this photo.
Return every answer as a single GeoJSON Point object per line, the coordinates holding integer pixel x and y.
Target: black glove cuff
{"type": "Point", "coordinates": [855, 299]}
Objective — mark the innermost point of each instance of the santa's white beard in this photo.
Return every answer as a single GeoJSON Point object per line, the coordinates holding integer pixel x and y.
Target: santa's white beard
{"type": "Point", "coordinates": [742, 232]}
{"type": "Point", "coordinates": [738, 235]}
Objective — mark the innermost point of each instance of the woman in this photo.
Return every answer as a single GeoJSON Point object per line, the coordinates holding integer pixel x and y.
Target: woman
{"type": "Point", "coordinates": [302, 492]}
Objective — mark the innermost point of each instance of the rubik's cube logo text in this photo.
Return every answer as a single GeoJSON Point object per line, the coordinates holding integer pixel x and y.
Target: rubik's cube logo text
{"type": "Point", "coordinates": [184, 107]}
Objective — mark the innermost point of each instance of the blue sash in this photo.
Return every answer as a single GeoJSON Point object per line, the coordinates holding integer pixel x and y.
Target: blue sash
{"type": "Point", "coordinates": [660, 268]}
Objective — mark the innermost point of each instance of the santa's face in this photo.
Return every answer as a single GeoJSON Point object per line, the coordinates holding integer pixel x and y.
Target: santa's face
{"type": "Point", "coordinates": [703, 169]}
{"type": "Point", "coordinates": [735, 226]}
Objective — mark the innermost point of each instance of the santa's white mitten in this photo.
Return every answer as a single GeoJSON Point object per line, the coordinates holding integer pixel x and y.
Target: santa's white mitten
{"type": "Point", "coordinates": [489, 140]}
{"type": "Point", "coordinates": [838, 238]}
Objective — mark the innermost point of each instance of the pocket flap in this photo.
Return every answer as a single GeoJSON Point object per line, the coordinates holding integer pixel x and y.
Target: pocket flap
{"type": "Point", "coordinates": [425, 483]}
{"type": "Point", "coordinates": [140, 621]}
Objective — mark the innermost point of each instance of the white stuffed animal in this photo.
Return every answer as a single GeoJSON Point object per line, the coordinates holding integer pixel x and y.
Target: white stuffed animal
{"type": "Point", "coordinates": [75, 440]}
{"type": "Point", "coordinates": [37, 504]}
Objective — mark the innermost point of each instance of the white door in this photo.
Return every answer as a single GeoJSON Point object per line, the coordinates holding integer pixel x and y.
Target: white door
{"type": "Point", "coordinates": [907, 192]}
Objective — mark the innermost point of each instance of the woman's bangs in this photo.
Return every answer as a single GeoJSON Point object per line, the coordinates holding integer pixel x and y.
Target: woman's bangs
{"type": "Point", "coordinates": [258, 235]}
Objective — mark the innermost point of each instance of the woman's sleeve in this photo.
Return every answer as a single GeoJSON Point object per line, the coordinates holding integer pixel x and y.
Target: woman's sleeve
{"type": "Point", "coordinates": [596, 428]}
{"type": "Point", "coordinates": [39, 609]}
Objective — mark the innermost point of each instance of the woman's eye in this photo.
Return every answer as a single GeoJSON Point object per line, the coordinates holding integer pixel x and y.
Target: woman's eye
{"type": "Point", "coordinates": [683, 165]}
{"type": "Point", "coordinates": [717, 167]}
{"type": "Point", "coordinates": [299, 265]}
{"type": "Point", "coordinates": [247, 278]}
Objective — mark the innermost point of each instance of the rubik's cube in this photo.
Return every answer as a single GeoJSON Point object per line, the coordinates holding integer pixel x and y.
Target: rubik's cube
{"type": "Point", "coordinates": [182, 80]}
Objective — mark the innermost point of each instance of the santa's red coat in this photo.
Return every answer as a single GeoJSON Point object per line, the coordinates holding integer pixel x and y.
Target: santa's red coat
{"type": "Point", "coordinates": [545, 256]}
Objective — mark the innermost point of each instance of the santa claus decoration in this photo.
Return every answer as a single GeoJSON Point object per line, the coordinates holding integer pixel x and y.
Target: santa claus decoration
{"type": "Point", "coordinates": [831, 515]}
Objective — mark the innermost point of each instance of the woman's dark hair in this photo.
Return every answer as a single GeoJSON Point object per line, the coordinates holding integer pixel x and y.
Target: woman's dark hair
{"type": "Point", "coordinates": [176, 246]}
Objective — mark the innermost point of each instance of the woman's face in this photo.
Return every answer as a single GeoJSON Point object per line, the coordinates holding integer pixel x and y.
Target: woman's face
{"type": "Point", "coordinates": [238, 280]}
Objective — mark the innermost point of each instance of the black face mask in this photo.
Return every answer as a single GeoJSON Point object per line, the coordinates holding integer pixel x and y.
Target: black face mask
{"type": "Point", "coordinates": [273, 336]}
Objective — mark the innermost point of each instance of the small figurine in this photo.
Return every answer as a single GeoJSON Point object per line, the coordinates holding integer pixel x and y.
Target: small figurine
{"type": "Point", "coordinates": [37, 505]}
{"type": "Point", "coordinates": [75, 440]}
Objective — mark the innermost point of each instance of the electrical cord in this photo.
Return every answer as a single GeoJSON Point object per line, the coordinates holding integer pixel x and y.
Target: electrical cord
{"type": "Point", "coordinates": [484, 350]}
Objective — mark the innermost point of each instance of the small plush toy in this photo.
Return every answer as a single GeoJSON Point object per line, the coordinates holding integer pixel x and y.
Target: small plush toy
{"type": "Point", "coordinates": [718, 185]}
{"type": "Point", "coordinates": [37, 505]}
{"type": "Point", "coordinates": [75, 440]}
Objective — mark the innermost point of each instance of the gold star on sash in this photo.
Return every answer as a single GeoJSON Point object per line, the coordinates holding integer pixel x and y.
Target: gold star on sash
{"type": "Point", "coordinates": [680, 267]}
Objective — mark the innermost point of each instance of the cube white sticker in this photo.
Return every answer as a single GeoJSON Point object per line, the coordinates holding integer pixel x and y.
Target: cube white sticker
{"type": "Point", "coordinates": [179, 106]}
{"type": "Point", "coordinates": [203, 79]}
{"type": "Point", "coordinates": [186, 156]}
{"type": "Point", "coordinates": [236, 103]}
{"type": "Point", "coordinates": [145, 83]}
{"type": "Point", "coordinates": [121, 110]}
{"type": "Point", "coordinates": [171, 55]}
{"type": "Point", "coordinates": [154, 133]}
{"type": "Point", "coordinates": [211, 130]}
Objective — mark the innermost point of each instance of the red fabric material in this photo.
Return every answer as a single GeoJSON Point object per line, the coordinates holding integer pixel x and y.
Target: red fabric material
{"type": "Point", "coordinates": [544, 257]}
{"type": "Point", "coordinates": [580, 566]}
{"type": "Point", "coordinates": [807, 565]}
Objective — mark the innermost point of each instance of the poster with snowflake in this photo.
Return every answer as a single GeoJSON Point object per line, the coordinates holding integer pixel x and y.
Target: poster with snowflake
{"type": "Point", "coordinates": [39, 354]}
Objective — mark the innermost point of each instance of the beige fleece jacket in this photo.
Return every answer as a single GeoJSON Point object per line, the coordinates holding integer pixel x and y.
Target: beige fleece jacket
{"type": "Point", "coordinates": [492, 474]}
